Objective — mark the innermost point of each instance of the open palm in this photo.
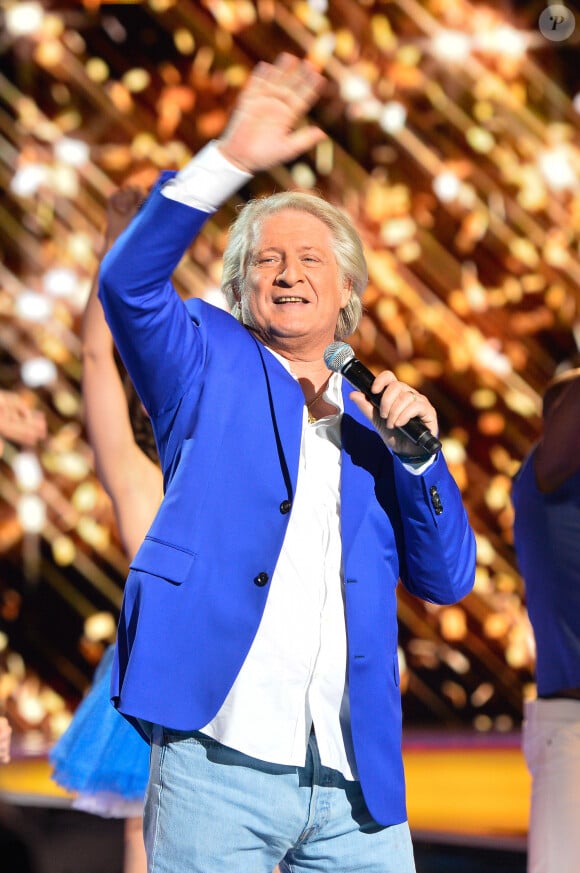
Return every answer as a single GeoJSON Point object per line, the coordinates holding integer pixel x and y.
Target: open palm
{"type": "Point", "coordinates": [263, 129]}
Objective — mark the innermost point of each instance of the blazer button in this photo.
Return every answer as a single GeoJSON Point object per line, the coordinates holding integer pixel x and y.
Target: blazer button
{"type": "Point", "coordinates": [285, 507]}
{"type": "Point", "coordinates": [436, 500]}
{"type": "Point", "coordinates": [261, 580]}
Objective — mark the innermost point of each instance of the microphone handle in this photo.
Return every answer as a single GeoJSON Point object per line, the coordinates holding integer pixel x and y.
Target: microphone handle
{"type": "Point", "coordinates": [361, 378]}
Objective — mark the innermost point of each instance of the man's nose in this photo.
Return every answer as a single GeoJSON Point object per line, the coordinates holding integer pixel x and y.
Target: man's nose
{"type": "Point", "coordinates": [290, 272]}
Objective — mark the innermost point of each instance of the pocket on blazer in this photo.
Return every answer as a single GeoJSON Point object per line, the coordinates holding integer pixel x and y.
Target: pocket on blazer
{"type": "Point", "coordinates": [164, 560]}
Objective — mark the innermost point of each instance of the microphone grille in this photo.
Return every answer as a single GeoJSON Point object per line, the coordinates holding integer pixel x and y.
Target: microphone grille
{"type": "Point", "coordinates": [336, 355]}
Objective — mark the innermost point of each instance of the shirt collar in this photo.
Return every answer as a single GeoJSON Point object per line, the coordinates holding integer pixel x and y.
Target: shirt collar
{"type": "Point", "coordinates": [333, 393]}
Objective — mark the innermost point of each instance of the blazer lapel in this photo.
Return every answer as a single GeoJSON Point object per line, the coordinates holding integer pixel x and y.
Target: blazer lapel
{"type": "Point", "coordinates": [286, 404]}
{"type": "Point", "coordinates": [362, 454]}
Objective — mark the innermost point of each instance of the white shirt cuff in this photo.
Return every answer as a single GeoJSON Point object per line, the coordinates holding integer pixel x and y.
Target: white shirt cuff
{"type": "Point", "coordinates": [206, 181]}
{"type": "Point", "coordinates": [417, 467]}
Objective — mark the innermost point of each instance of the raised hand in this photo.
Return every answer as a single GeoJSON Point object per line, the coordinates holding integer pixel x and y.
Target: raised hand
{"type": "Point", "coordinates": [121, 207]}
{"type": "Point", "coordinates": [263, 130]}
{"type": "Point", "coordinates": [18, 421]}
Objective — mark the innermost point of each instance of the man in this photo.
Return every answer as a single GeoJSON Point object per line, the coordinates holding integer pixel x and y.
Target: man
{"type": "Point", "coordinates": [257, 645]}
{"type": "Point", "coordinates": [546, 499]}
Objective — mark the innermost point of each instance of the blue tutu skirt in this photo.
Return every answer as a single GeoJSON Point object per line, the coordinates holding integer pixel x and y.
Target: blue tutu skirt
{"type": "Point", "coordinates": [100, 756]}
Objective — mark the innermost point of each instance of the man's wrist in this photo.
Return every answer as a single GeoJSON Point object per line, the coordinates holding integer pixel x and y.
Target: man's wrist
{"type": "Point", "coordinates": [222, 148]}
{"type": "Point", "coordinates": [207, 180]}
{"type": "Point", "coordinates": [416, 463]}
{"type": "Point", "coordinates": [414, 459]}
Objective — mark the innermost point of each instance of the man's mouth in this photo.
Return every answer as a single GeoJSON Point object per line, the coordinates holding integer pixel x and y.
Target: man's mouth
{"type": "Point", "coordinates": [290, 300]}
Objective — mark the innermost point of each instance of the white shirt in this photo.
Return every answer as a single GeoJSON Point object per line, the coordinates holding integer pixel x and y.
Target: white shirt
{"type": "Point", "coordinates": [295, 674]}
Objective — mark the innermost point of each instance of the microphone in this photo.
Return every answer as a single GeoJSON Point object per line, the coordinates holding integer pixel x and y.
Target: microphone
{"type": "Point", "coordinates": [340, 358]}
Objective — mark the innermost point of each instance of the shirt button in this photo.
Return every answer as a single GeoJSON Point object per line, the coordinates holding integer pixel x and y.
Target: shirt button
{"type": "Point", "coordinates": [285, 507]}
{"type": "Point", "coordinates": [261, 580]}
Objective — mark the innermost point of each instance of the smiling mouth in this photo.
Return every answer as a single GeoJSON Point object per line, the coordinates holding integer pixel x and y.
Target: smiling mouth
{"type": "Point", "coordinates": [290, 300]}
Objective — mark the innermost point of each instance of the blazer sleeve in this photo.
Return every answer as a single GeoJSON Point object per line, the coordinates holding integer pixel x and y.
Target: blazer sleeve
{"type": "Point", "coordinates": [152, 329]}
{"type": "Point", "coordinates": [439, 555]}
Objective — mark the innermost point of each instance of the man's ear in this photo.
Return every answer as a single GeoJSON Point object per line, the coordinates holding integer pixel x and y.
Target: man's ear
{"type": "Point", "coordinates": [346, 291]}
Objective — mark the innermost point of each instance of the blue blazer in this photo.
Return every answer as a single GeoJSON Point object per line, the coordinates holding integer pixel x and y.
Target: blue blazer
{"type": "Point", "coordinates": [227, 418]}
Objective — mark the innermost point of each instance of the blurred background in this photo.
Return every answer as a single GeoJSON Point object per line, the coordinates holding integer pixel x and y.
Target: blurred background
{"type": "Point", "coordinates": [453, 144]}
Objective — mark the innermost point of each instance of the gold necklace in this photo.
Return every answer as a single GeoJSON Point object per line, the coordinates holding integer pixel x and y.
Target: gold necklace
{"type": "Point", "coordinates": [317, 396]}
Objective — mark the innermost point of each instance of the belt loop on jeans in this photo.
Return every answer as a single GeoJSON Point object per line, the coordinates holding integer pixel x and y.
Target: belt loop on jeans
{"type": "Point", "coordinates": [157, 734]}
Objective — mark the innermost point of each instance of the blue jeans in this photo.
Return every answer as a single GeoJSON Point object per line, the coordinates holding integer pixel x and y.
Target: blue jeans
{"type": "Point", "coordinates": [210, 809]}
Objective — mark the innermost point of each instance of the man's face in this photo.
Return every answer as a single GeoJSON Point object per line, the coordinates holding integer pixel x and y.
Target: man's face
{"type": "Point", "coordinates": [293, 290]}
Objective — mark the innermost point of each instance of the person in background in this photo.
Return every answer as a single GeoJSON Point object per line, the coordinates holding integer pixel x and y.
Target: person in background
{"type": "Point", "coordinates": [5, 736]}
{"type": "Point", "coordinates": [257, 643]}
{"type": "Point", "coordinates": [16, 853]}
{"type": "Point", "coordinates": [546, 501]}
{"type": "Point", "coordinates": [100, 756]}
{"type": "Point", "coordinates": [19, 421]}
{"type": "Point", "coordinates": [22, 424]}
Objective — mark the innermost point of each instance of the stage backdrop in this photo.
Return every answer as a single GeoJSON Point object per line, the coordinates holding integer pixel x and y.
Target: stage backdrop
{"type": "Point", "coordinates": [453, 144]}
